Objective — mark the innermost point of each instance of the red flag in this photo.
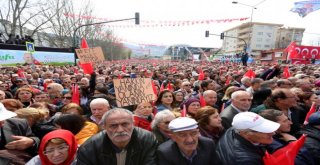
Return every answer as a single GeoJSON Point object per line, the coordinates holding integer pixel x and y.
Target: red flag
{"type": "Point", "coordinates": [123, 68]}
{"type": "Point", "coordinates": [184, 111]}
{"type": "Point", "coordinates": [45, 85]}
{"type": "Point", "coordinates": [21, 74]}
{"type": "Point", "coordinates": [291, 49]}
{"type": "Point", "coordinates": [286, 73]}
{"type": "Point", "coordinates": [285, 155]}
{"type": "Point", "coordinates": [169, 87]}
{"type": "Point", "coordinates": [119, 76]}
{"type": "Point", "coordinates": [154, 88]}
{"type": "Point", "coordinates": [311, 111]}
{"type": "Point", "coordinates": [75, 94]}
{"type": "Point", "coordinates": [202, 101]}
{"type": "Point", "coordinates": [84, 43]}
{"type": "Point", "coordinates": [201, 74]}
{"type": "Point", "coordinates": [250, 74]}
{"type": "Point", "coordinates": [87, 68]}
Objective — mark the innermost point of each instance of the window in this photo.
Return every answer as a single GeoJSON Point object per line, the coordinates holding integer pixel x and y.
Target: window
{"type": "Point", "coordinates": [259, 39]}
{"type": "Point", "coordinates": [260, 33]}
{"type": "Point", "coordinates": [258, 46]}
{"type": "Point", "coordinates": [268, 40]}
{"type": "Point", "coordinates": [267, 46]}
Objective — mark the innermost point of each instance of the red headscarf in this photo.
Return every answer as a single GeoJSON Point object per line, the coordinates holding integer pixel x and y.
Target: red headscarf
{"type": "Point", "coordinates": [62, 134]}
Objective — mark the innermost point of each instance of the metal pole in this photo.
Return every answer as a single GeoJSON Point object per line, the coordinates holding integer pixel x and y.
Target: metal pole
{"type": "Point", "coordinates": [97, 23]}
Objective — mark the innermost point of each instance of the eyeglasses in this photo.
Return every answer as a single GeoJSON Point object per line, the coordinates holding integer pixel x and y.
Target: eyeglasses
{"type": "Point", "coordinates": [60, 149]}
{"type": "Point", "coordinates": [68, 98]}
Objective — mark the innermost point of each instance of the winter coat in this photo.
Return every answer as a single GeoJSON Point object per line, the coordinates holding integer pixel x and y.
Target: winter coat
{"type": "Point", "coordinates": [99, 150]}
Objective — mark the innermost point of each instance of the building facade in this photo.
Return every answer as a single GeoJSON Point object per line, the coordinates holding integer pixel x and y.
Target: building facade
{"type": "Point", "coordinates": [255, 37]}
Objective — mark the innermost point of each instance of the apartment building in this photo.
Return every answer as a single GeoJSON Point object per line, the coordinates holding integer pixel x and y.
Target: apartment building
{"type": "Point", "coordinates": [256, 37]}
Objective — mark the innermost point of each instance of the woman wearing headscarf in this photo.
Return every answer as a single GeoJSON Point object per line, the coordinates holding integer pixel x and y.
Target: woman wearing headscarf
{"type": "Point", "coordinates": [58, 147]}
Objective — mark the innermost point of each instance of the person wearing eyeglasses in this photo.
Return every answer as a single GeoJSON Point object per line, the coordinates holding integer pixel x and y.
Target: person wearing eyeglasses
{"type": "Point", "coordinates": [58, 147]}
{"type": "Point", "coordinates": [66, 98]}
{"type": "Point", "coordinates": [186, 146]}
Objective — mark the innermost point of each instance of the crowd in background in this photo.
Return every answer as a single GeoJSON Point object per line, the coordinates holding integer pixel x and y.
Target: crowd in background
{"type": "Point", "coordinates": [204, 113]}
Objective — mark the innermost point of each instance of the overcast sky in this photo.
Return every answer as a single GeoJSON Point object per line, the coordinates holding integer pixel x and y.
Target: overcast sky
{"type": "Point", "coordinates": [269, 11]}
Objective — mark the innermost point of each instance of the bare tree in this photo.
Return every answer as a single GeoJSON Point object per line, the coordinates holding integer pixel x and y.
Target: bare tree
{"type": "Point", "coordinates": [17, 14]}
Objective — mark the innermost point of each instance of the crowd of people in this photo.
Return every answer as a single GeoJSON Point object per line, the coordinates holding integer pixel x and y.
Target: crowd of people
{"type": "Point", "coordinates": [204, 113]}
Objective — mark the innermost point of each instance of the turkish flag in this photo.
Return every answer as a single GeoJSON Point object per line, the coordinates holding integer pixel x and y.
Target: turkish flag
{"type": "Point", "coordinates": [87, 68]}
{"type": "Point", "coordinates": [285, 155]}
{"type": "Point", "coordinates": [169, 86]}
{"type": "Point", "coordinates": [286, 73]}
{"type": "Point", "coordinates": [311, 111]}
{"type": "Point", "coordinates": [201, 74]}
{"type": "Point", "coordinates": [84, 43]}
{"type": "Point", "coordinates": [75, 94]}
{"type": "Point", "coordinates": [291, 49]}
{"type": "Point", "coordinates": [250, 74]}
{"type": "Point", "coordinates": [202, 101]}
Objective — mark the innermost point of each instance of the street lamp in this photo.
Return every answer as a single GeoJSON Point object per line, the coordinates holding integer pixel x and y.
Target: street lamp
{"type": "Point", "coordinates": [252, 7]}
{"type": "Point", "coordinates": [136, 18]}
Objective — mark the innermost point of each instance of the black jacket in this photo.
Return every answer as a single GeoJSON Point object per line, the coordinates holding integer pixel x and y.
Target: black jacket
{"type": "Point", "coordinates": [99, 149]}
{"type": "Point", "coordinates": [232, 149]}
{"type": "Point", "coordinates": [169, 154]}
{"type": "Point", "coordinates": [312, 142]}
{"type": "Point", "coordinates": [227, 116]}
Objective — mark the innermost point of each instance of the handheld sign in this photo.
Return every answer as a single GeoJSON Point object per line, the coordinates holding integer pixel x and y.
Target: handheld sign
{"type": "Point", "coordinates": [133, 91]}
{"type": "Point", "coordinates": [90, 55]}
{"type": "Point", "coordinates": [30, 47]}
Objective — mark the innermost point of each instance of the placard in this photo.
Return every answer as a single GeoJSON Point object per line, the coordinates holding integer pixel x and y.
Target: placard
{"type": "Point", "coordinates": [133, 91]}
{"type": "Point", "coordinates": [90, 55]}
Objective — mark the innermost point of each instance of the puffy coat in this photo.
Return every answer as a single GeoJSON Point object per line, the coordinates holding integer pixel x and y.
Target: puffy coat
{"type": "Point", "coordinates": [86, 132]}
{"type": "Point", "coordinates": [232, 149]}
{"type": "Point", "coordinates": [312, 142]}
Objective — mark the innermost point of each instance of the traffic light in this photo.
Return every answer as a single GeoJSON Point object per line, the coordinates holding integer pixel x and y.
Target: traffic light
{"type": "Point", "coordinates": [222, 36]}
{"type": "Point", "coordinates": [137, 18]}
{"type": "Point", "coordinates": [207, 33]}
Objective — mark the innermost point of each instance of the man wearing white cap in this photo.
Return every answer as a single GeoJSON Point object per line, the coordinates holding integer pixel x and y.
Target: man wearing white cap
{"type": "Point", "coordinates": [186, 146]}
{"type": "Point", "coordinates": [244, 142]}
{"type": "Point", "coordinates": [15, 134]}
